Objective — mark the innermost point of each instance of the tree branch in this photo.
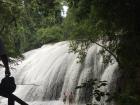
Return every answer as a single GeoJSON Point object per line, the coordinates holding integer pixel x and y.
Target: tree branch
{"type": "Point", "coordinates": [116, 58]}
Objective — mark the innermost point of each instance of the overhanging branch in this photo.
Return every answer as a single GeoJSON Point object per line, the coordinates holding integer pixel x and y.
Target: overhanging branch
{"type": "Point", "coordinates": [116, 58]}
{"type": "Point", "coordinates": [106, 49]}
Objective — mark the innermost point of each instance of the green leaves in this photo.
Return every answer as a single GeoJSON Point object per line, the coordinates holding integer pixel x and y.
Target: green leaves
{"type": "Point", "coordinates": [80, 47]}
{"type": "Point", "coordinates": [50, 34]}
{"type": "Point", "coordinates": [94, 87]}
{"type": "Point", "coordinates": [21, 22]}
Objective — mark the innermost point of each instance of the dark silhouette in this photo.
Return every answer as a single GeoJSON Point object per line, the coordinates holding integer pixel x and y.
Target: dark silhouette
{"type": "Point", "coordinates": [4, 58]}
{"type": "Point", "coordinates": [7, 85]}
{"type": "Point", "coordinates": [71, 98]}
{"type": "Point", "coordinates": [64, 98]}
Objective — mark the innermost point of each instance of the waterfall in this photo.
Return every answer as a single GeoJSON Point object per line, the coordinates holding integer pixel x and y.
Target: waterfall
{"type": "Point", "coordinates": [50, 71]}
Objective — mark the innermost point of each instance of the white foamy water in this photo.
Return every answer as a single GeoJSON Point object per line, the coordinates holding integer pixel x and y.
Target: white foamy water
{"type": "Point", "coordinates": [50, 71]}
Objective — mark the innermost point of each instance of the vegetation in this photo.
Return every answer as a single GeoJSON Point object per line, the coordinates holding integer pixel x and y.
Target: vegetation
{"type": "Point", "coordinates": [27, 24]}
{"type": "Point", "coordinates": [116, 22]}
{"type": "Point", "coordinates": [21, 22]}
{"type": "Point", "coordinates": [95, 88]}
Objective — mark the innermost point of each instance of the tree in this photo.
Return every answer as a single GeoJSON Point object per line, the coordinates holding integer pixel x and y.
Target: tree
{"type": "Point", "coordinates": [20, 21]}
{"type": "Point", "coordinates": [116, 22]}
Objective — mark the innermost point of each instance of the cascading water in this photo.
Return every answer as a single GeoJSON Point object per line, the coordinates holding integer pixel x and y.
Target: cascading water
{"type": "Point", "coordinates": [50, 71]}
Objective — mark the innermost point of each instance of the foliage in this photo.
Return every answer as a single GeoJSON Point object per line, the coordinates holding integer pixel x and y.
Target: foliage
{"type": "Point", "coordinates": [99, 19]}
{"type": "Point", "coordinates": [50, 34]}
{"type": "Point", "coordinates": [94, 87]}
{"type": "Point", "coordinates": [21, 20]}
{"type": "Point", "coordinates": [116, 22]}
{"type": "Point", "coordinates": [27, 24]}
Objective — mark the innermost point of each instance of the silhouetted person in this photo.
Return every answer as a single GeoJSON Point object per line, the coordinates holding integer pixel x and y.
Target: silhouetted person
{"type": "Point", "coordinates": [71, 98]}
{"type": "Point", "coordinates": [64, 98]}
{"type": "Point", "coordinates": [4, 58]}
{"type": "Point", "coordinates": [7, 85]}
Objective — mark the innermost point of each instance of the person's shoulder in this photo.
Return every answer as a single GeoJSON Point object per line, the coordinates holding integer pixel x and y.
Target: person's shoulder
{"type": "Point", "coordinates": [8, 79]}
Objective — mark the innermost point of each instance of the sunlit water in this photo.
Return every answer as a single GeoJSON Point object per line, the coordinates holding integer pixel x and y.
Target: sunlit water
{"type": "Point", "coordinates": [50, 71]}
